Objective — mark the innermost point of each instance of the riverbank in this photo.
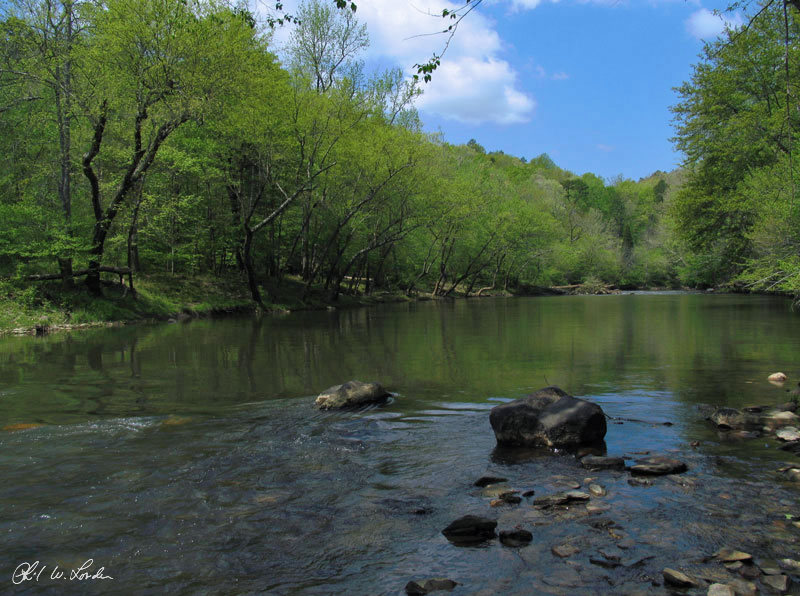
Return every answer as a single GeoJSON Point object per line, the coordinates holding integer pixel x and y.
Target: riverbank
{"type": "Point", "coordinates": [48, 307]}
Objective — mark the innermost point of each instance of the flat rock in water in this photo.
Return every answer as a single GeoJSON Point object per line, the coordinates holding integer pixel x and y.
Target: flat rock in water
{"type": "Point", "coordinates": [414, 588]}
{"type": "Point", "coordinates": [720, 590]}
{"type": "Point", "coordinates": [549, 417]}
{"type": "Point", "coordinates": [788, 433]}
{"type": "Point", "coordinates": [658, 466]}
{"type": "Point", "coordinates": [729, 555]}
{"type": "Point", "coordinates": [673, 577]}
{"type": "Point", "coordinates": [515, 537]}
{"type": "Point", "coordinates": [560, 499]}
{"type": "Point", "coordinates": [484, 481]}
{"type": "Point", "coordinates": [564, 550]}
{"type": "Point", "coordinates": [598, 462]}
{"type": "Point", "coordinates": [779, 583]}
{"type": "Point", "coordinates": [470, 529]}
{"type": "Point", "coordinates": [353, 394]}
{"type": "Point", "coordinates": [640, 482]}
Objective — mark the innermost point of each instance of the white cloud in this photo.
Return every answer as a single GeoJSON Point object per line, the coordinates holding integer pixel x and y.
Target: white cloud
{"type": "Point", "coordinates": [704, 24]}
{"type": "Point", "coordinates": [560, 76]}
{"type": "Point", "coordinates": [473, 84]}
{"type": "Point", "coordinates": [473, 90]}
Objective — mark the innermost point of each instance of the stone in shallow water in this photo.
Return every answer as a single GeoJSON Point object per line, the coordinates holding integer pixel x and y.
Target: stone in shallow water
{"type": "Point", "coordinates": [658, 466]}
{"type": "Point", "coordinates": [560, 499]}
{"type": "Point", "coordinates": [673, 577]}
{"type": "Point", "coordinates": [565, 550]}
{"type": "Point", "coordinates": [549, 417]}
{"type": "Point", "coordinates": [788, 433]}
{"type": "Point", "coordinates": [487, 480]}
{"type": "Point", "coordinates": [779, 583]}
{"type": "Point", "coordinates": [515, 537]}
{"type": "Point", "coordinates": [750, 572]}
{"type": "Point", "coordinates": [597, 490]}
{"type": "Point", "coordinates": [743, 588]}
{"type": "Point", "coordinates": [352, 394]}
{"type": "Point", "coordinates": [470, 529]}
{"type": "Point", "coordinates": [414, 588]}
{"type": "Point", "coordinates": [640, 482]}
{"type": "Point", "coordinates": [777, 420]}
{"type": "Point", "coordinates": [597, 462]}
{"type": "Point", "coordinates": [720, 590]}
{"type": "Point", "coordinates": [729, 555]}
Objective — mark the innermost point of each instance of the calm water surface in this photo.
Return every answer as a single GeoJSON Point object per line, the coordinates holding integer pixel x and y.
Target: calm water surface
{"type": "Point", "coordinates": [189, 458]}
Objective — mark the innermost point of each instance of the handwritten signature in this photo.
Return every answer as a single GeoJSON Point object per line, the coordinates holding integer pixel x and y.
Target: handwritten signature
{"type": "Point", "coordinates": [26, 572]}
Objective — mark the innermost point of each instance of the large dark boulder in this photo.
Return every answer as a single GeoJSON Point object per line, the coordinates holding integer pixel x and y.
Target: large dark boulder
{"type": "Point", "coordinates": [548, 418]}
{"type": "Point", "coordinates": [353, 394]}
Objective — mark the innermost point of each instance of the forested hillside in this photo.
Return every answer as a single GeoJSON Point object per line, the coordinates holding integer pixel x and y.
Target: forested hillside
{"type": "Point", "coordinates": [130, 143]}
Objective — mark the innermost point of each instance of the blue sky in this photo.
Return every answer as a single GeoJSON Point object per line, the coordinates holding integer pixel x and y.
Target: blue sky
{"type": "Point", "coordinates": [589, 82]}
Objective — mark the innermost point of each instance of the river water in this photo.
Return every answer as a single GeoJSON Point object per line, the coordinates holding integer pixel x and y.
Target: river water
{"type": "Point", "coordinates": [189, 458]}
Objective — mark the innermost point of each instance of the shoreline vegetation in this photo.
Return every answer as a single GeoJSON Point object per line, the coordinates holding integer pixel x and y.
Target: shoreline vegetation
{"type": "Point", "coordinates": [218, 177]}
{"type": "Point", "coordinates": [48, 308]}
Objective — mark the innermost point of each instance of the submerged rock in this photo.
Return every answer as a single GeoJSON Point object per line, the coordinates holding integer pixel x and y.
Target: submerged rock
{"type": "Point", "coordinates": [720, 590]}
{"type": "Point", "coordinates": [352, 394]}
{"type": "Point", "coordinates": [484, 481]}
{"type": "Point", "coordinates": [779, 583]}
{"type": "Point", "coordinates": [778, 419]}
{"type": "Point", "coordinates": [470, 529]}
{"type": "Point", "coordinates": [728, 418]}
{"type": "Point", "coordinates": [548, 418]}
{"type": "Point", "coordinates": [515, 537]}
{"type": "Point", "coordinates": [658, 466]}
{"type": "Point", "coordinates": [414, 588]}
{"type": "Point", "coordinates": [564, 550]}
{"type": "Point", "coordinates": [560, 499]}
{"type": "Point", "coordinates": [597, 462]}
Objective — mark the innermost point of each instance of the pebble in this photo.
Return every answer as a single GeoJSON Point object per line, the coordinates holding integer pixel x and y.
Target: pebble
{"type": "Point", "coordinates": [720, 590]}
{"type": "Point", "coordinates": [564, 550]}
{"type": "Point", "coordinates": [597, 490]}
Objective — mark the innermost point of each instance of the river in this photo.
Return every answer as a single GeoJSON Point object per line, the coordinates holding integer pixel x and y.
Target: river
{"type": "Point", "coordinates": [189, 458]}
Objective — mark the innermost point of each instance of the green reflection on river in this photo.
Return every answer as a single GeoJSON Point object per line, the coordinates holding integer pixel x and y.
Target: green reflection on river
{"type": "Point", "coordinates": [700, 348]}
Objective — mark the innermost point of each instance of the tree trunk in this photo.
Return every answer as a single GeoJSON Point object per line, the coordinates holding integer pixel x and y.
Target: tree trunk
{"type": "Point", "coordinates": [249, 268]}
